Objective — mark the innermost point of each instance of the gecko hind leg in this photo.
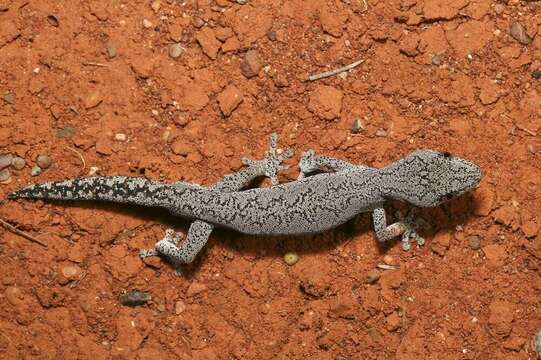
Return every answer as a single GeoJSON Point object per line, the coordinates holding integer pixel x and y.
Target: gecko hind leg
{"type": "Point", "coordinates": [200, 231]}
{"type": "Point", "coordinates": [406, 227]}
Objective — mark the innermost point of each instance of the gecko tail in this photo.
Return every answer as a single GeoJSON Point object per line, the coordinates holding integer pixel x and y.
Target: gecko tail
{"type": "Point", "coordinates": [119, 189]}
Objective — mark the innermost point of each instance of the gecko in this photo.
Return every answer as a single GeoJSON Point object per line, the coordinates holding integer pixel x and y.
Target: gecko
{"type": "Point", "coordinates": [327, 193]}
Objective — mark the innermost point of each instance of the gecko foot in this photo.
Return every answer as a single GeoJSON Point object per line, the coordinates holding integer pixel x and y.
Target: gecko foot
{"type": "Point", "coordinates": [410, 233]}
{"type": "Point", "coordinates": [171, 238]}
{"type": "Point", "coordinates": [307, 163]}
{"type": "Point", "coordinates": [272, 163]}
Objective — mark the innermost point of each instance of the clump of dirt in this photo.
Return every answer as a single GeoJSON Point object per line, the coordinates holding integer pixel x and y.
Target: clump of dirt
{"type": "Point", "coordinates": [180, 91]}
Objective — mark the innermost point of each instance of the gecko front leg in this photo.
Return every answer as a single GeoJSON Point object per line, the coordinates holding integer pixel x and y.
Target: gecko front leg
{"type": "Point", "coordinates": [200, 231]}
{"type": "Point", "coordinates": [406, 227]}
{"type": "Point", "coordinates": [310, 162]}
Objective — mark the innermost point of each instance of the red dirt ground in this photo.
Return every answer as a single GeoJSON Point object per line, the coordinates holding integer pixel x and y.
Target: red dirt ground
{"type": "Point", "coordinates": [447, 75]}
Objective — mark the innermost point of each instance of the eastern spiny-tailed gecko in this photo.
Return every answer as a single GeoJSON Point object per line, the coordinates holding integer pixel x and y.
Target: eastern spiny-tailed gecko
{"type": "Point", "coordinates": [314, 203]}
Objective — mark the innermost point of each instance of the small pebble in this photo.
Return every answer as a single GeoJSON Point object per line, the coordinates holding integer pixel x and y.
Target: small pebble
{"type": "Point", "coordinates": [388, 259]}
{"type": "Point", "coordinates": [180, 307]}
{"type": "Point", "coordinates": [499, 8]}
{"type": "Point", "coordinates": [10, 98]}
{"type": "Point", "coordinates": [536, 74]}
{"type": "Point", "coordinates": [155, 6]}
{"type": "Point", "coordinates": [53, 20]}
{"type": "Point", "coordinates": [372, 276]}
{"type": "Point", "coordinates": [166, 135]}
{"type": "Point", "coordinates": [518, 32]}
{"type": "Point", "coordinates": [381, 132]}
{"type": "Point", "coordinates": [147, 23]}
{"type": "Point", "coordinates": [71, 272]}
{"type": "Point", "coordinates": [474, 242]}
{"type": "Point", "coordinates": [18, 163]}
{"type": "Point", "coordinates": [35, 171]}
{"type": "Point", "coordinates": [536, 342]}
{"type": "Point", "coordinates": [437, 60]}
{"type": "Point", "coordinates": [5, 176]}
{"type": "Point", "coordinates": [111, 51]}
{"type": "Point", "coordinates": [251, 65]}
{"type": "Point", "coordinates": [93, 170]}
{"type": "Point", "coordinates": [175, 50]}
{"type": "Point", "coordinates": [291, 258]}
{"type": "Point", "coordinates": [134, 298]}
{"type": "Point", "coordinates": [5, 160]}
{"type": "Point", "coordinates": [357, 126]}
{"type": "Point", "coordinates": [120, 137]}
{"type": "Point", "coordinates": [44, 161]}
{"type": "Point", "coordinates": [242, 2]}
{"type": "Point", "coordinates": [271, 35]}
{"type": "Point", "coordinates": [195, 288]}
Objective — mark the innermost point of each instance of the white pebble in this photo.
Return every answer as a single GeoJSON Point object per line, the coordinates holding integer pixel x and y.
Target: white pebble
{"type": "Point", "coordinates": [120, 137]}
{"type": "Point", "coordinates": [147, 23]}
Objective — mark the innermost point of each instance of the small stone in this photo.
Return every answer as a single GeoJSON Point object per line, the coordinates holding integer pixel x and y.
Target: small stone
{"type": "Point", "coordinates": [5, 176]}
{"type": "Point", "coordinates": [195, 288]}
{"type": "Point", "coordinates": [92, 100]}
{"type": "Point", "coordinates": [166, 135]}
{"type": "Point", "coordinates": [5, 160]}
{"type": "Point", "coordinates": [474, 242]}
{"type": "Point", "coordinates": [53, 20]}
{"type": "Point", "coordinates": [93, 170]}
{"type": "Point", "coordinates": [372, 276]}
{"type": "Point", "coordinates": [242, 2]}
{"type": "Point", "coordinates": [381, 132]}
{"type": "Point", "coordinates": [120, 137]}
{"type": "Point", "coordinates": [182, 147]}
{"type": "Point", "coordinates": [326, 102]}
{"type": "Point", "coordinates": [291, 258]}
{"type": "Point", "coordinates": [357, 126]}
{"type": "Point", "coordinates": [518, 32]}
{"type": "Point", "coordinates": [175, 50]}
{"type": "Point", "coordinates": [437, 60]}
{"type": "Point", "coordinates": [71, 272]}
{"type": "Point", "coordinates": [44, 161]}
{"type": "Point", "coordinates": [155, 6]}
{"type": "Point", "coordinates": [229, 99]}
{"type": "Point", "coordinates": [251, 65]}
{"type": "Point", "coordinates": [180, 307]}
{"type": "Point", "coordinates": [530, 229]}
{"type": "Point", "coordinates": [147, 24]}
{"type": "Point", "coordinates": [271, 35]}
{"type": "Point", "coordinates": [495, 254]}
{"type": "Point", "coordinates": [499, 8]}
{"type": "Point", "coordinates": [111, 51]}
{"type": "Point", "coordinates": [35, 171]}
{"type": "Point", "coordinates": [393, 322]}
{"type": "Point", "coordinates": [388, 259]}
{"type": "Point", "coordinates": [536, 74]}
{"type": "Point", "coordinates": [536, 344]}
{"type": "Point", "coordinates": [134, 298]}
{"type": "Point", "coordinates": [208, 42]}
{"type": "Point", "coordinates": [18, 163]}
{"type": "Point", "coordinates": [9, 98]}
{"type": "Point", "coordinates": [231, 44]}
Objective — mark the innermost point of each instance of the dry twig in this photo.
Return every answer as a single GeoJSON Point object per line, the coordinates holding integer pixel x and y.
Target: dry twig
{"type": "Point", "coordinates": [79, 154]}
{"type": "Point", "coordinates": [335, 72]}
{"type": "Point", "coordinates": [91, 63]}
{"type": "Point", "coordinates": [24, 234]}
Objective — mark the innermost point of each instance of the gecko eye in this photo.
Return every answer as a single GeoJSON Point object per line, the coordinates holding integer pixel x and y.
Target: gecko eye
{"type": "Point", "coordinates": [446, 154]}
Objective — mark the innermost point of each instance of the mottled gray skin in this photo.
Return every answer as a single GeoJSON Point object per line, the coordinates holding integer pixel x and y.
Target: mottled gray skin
{"type": "Point", "coordinates": [311, 204]}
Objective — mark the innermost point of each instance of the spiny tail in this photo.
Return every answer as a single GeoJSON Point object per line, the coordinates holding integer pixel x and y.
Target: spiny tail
{"type": "Point", "coordinates": [119, 189]}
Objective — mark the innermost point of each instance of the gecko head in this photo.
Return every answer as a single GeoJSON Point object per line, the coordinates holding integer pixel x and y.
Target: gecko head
{"type": "Point", "coordinates": [430, 177]}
